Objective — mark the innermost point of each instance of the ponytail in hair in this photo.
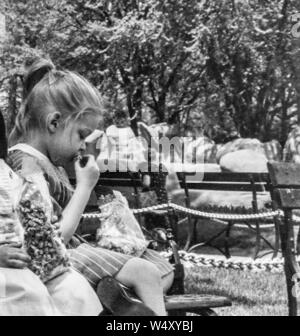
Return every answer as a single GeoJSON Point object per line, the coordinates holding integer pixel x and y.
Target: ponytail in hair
{"type": "Point", "coordinates": [3, 141]}
{"type": "Point", "coordinates": [36, 70]}
{"type": "Point", "coordinates": [19, 130]}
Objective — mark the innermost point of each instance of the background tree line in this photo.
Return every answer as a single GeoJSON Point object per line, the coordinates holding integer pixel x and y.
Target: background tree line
{"type": "Point", "coordinates": [216, 67]}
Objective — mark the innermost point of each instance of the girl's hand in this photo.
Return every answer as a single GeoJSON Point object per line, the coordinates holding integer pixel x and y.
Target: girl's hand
{"type": "Point", "coordinates": [6, 238]}
{"type": "Point", "coordinates": [87, 176]}
{"type": "Point", "coordinates": [12, 256]}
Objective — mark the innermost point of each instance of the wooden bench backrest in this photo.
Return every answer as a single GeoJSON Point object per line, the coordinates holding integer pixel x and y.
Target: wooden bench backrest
{"type": "Point", "coordinates": [210, 181]}
{"type": "Point", "coordinates": [285, 179]}
{"type": "Point", "coordinates": [227, 181]}
{"type": "Point", "coordinates": [118, 179]}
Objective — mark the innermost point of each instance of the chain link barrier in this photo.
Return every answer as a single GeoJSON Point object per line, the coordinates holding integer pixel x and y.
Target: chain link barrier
{"type": "Point", "coordinates": [193, 259]}
{"type": "Point", "coordinates": [197, 213]}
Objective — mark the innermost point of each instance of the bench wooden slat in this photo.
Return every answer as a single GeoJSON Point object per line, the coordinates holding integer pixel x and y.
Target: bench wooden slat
{"type": "Point", "coordinates": [192, 301]}
{"type": "Point", "coordinates": [120, 175]}
{"type": "Point", "coordinates": [229, 177]}
{"type": "Point", "coordinates": [260, 182]}
{"type": "Point", "coordinates": [225, 186]}
{"type": "Point", "coordinates": [119, 183]}
{"type": "Point", "coordinates": [288, 198]}
{"type": "Point", "coordinates": [285, 175]}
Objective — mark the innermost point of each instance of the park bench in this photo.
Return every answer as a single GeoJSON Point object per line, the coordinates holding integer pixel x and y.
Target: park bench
{"type": "Point", "coordinates": [285, 179]}
{"type": "Point", "coordinates": [253, 183]}
{"type": "Point", "coordinates": [283, 183]}
{"type": "Point", "coordinates": [177, 302]}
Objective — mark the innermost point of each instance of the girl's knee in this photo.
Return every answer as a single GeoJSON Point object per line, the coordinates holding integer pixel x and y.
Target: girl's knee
{"type": "Point", "coordinates": [168, 281]}
{"type": "Point", "coordinates": [145, 271]}
{"type": "Point", "coordinates": [138, 271]}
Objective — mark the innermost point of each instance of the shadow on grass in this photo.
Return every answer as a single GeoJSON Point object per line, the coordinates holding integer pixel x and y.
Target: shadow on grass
{"type": "Point", "coordinates": [242, 288]}
{"type": "Point", "coordinates": [194, 289]}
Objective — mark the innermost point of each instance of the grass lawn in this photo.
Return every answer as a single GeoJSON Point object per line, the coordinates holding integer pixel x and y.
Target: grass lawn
{"type": "Point", "coordinates": [252, 294]}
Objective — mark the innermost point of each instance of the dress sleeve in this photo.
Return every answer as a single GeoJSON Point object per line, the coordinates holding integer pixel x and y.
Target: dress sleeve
{"type": "Point", "coordinates": [33, 173]}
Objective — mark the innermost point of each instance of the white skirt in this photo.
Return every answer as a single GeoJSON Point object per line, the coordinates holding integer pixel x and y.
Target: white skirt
{"type": "Point", "coordinates": [73, 295]}
{"type": "Point", "coordinates": [23, 294]}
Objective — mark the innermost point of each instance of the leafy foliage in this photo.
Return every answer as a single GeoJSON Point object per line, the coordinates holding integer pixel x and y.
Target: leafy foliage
{"type": "Point", "coordinates": [224, 68]}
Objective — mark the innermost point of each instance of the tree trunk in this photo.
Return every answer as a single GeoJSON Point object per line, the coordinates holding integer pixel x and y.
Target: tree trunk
{"type": "Point", "coordinates": [132, 115]}
{"type": "Point", "coordinates": [284, 121]}
{"type": "Point", "coordinates": [12, 103]}
{"type": "Point", "coordinates": [296, 64]}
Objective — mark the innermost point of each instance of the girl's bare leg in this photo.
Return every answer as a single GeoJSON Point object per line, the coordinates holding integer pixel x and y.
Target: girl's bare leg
{"type": "Point", "coordinates": [144, 278]}
{"type": "Point", "coordinates": [167, 282]}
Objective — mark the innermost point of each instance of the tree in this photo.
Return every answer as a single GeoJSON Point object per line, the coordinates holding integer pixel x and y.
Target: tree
{"type": "Point", "coordinates": [224, 66]}
{"type": "Point", "coordinates": [249, 75]}
{"type": "Point", "coordinates": [30, 27]}
{"type": "Point", "coordinates": [139, 51]}
{"type": "Point", "coordinates": [226, 63]}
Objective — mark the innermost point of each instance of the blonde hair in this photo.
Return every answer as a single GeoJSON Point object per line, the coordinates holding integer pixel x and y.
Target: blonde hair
{"type": "Point", "coordinates": [64, 91]}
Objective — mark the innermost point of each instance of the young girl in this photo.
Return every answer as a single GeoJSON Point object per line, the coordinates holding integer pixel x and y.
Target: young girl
{"type": "Point", "coordinates": [61, 109]}
{"type": "Point", "coordinates": [22, 293]}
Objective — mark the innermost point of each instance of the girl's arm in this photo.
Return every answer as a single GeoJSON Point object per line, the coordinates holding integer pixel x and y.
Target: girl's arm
{"type": "Point", "coordinates": [87, 177]}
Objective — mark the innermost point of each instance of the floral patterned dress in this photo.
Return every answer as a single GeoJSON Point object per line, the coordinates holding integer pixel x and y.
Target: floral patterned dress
{"type": "Point", "coordinates": [94, 263]}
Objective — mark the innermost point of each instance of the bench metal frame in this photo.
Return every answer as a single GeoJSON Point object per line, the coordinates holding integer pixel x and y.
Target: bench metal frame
{"type": "Point", "coordinates": [242, 182]}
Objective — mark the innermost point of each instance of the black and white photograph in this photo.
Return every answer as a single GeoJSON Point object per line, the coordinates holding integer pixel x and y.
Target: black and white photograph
{"type": "Point", "coordinates": [149, 160]}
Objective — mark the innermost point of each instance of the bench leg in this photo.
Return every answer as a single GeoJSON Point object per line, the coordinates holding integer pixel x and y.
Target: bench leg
{"type": "Point", "coordinates": [206, 312]}
{"type": "Point", "coordinates": [195, 234]}
{"type": "Point", "coordinates": [261, 238]}
{"type": "Point", "coordinates": [291, 268]}
{"type": "Point", "coordinates": [228, 232]}
{"type": "Point", "coordinates": [277, 237]}
{"type": "Point", "coordinates": [258, 242]}
{"type": "Point", "coordinates": [210, 241]}
{"type": "Point", "coordinates": [192, 228]}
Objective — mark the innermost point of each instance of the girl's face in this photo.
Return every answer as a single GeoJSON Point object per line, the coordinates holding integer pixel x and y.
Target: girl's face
{"type": "Point", "coordinates": [69, 141]}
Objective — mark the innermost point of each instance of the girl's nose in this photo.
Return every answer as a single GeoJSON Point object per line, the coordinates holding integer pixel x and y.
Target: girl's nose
{"type": "Point", "coordinates": [83, 147]}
